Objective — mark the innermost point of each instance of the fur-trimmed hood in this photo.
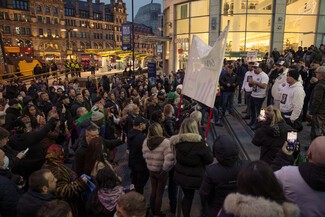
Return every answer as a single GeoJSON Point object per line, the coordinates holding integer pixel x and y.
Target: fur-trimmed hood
{"type": "Point", "coordinates": [186, 137]}
{"type": "Point", "coordinates": [248, 206]}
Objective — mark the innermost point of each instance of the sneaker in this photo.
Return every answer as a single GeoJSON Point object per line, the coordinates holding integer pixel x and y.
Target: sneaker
{"type": "Point", "coordinates": [244, 112]}
{"type": "Point", "coordinates": [246, 117]}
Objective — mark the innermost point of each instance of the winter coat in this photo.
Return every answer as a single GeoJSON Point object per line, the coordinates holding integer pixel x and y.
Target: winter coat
{"type": "Point", "coordinates": [30, 203]}
{"type": "Point", "coordinates": [305, 186]}
{"type": "Point", "coordinates": [169, 126]}
{"type": "Point", "coordinates": [220, 178]}
{"type": "Point", "coordinates": [317, 103]}
{"type": "Point", "coordinates": [9, 196]}
{"type": "Point", "coordinates": [69, 187]}
{"type": "Point", "coordinates": [229, 79]}
{"type": "Point", "coordinates": [239, 205]}
{"type": "Point", "coordinates": [192, 155]}
{"type": "Point", "coordinates": [135, 142]}
{"type": "Point", "coordinates": [271, 140]}
{"type": "Point", "coordinates": [158, 154]}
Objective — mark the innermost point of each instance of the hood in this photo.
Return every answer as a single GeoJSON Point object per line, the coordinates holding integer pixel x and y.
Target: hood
{"type": "Point", "coordinates": [133, 133]}
{"type": "Point", "coordinates": [276, 130]}
{"type": "Point", "coordinates": [186, 137]}
{"type": "Point", "coordinates": [314, 175]}
{"type": "Point", "coordinates": [154, 142]}
{"type": "Point", "coordinates": [225, 150]}
{"type": "Point", "coordinates": [245, 205]}
{"type": "Point", "coordinates": [108, 197]}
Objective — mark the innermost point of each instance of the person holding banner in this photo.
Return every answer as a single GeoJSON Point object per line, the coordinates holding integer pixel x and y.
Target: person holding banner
{"type": "Point", "coordinates": [258, 83]}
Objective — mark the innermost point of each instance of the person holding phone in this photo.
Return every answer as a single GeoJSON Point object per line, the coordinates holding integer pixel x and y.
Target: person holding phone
{"type": "Point", "coordinates": [304, 185]}
{"type": "Point", "coordinates": [271, 135]}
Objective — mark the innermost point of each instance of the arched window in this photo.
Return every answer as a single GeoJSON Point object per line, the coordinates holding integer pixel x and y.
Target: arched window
{"type": "Point", "coordinates": [38, 8]}
{"type": "Point", "coordinates": [20, 43]}
{"type": "Point", "coordinates": [28, 43]}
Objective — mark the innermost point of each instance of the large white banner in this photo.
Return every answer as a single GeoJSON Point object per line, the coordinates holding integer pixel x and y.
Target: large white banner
{"type": "Point", "coordinates": [203, 69]}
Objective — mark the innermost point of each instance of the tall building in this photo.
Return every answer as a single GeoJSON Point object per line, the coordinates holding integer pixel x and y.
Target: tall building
{"type": "Point", "coordinates": [60, 29]}
{"type": "Point", "coordinates": [149, 16]}
{"type": "Point", "coordinates": [255, 25]}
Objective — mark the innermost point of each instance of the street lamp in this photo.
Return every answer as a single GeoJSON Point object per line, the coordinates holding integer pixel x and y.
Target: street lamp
{"type": "Point", "coordinates": [69, 39]}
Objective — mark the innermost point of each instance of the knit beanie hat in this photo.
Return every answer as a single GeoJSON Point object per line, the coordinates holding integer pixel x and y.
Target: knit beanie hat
{"type": "Point", "coordinates": [294, 73]}
{"type": "Point", "coordinates": [96, 116]}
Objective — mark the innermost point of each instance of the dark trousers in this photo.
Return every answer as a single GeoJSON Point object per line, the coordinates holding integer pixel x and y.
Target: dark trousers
{"type": "Point", "coordinates": [256, 105]}
{"type": "Point", "coordinates": [172, 191]}
{"type": "Point", "coordinates": [158, 183]}
{"type": "Point", "coordinates": [139, 180]}
{"type": "Point", "coordinates": [187, 201]}
{"type": "Point", "coordinates": [269, 96]}
{"type": "Point", "coordinates": [248, 102]}
{"type": "Point", "coordinates": [239, 93]}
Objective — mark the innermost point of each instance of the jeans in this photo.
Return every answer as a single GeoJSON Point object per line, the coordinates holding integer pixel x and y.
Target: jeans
{"type": "Point", "coordinates": [158, 183]}
{"type": "Point", "coordinates": [187, 201]}
{"type": "Point", "coordinates": [256, 105]}
{"type": "Point", "coordinates": [228, 101]}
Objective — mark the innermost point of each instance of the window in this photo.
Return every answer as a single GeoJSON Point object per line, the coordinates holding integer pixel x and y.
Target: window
{"type": "Point", "coordinates": [83, 14]}
{"type": "Point", "coordinates": [48, 20]}
{"type": "Point", "coordinates": [38, 8]}
{"type": "Point", "coordinates": [47, 9]}
{"type": "Point", "coordinates": [184, 11]}
{"type": "Point", "coordinates": [20, 5]}
{"type": "Point", "coordinates": [97, 16]}
{"type": "Point", "coordinates": [39, 19]}
{"type": "Point", "coordinates": [56, 21]}
{"type": "Point", "coordinates": [28, 31]}
{"type": "Point", "coordinates": [49, 33]}
{"type": "Point", "coordinates": [4, 16]}
{"type": "Point", "coordinates": [69, 12]}
{"type": "Point", "coordinates": [7, 30]}
{"type": "Point", "coordinates": [40, 31]}
{"type": "Point", "coordinates": [55, 10]}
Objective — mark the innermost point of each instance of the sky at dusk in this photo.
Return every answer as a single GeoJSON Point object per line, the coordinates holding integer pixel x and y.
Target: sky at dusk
{"type": "Point", "coordinates": [137, 5]}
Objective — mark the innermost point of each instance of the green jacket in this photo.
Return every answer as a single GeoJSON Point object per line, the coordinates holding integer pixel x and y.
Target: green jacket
{"type": "Point", "coordinates": [317, 105]}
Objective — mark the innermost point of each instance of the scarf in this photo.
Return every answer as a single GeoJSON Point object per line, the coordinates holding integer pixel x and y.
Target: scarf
{"type": "Point", "coordinates": [108, 197]}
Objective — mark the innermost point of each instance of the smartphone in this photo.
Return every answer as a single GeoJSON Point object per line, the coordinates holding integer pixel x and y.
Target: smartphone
{"type": "Point", "coordinates": [26, 151]}
{"type": "Point", "coordinates": [262, 115]}
{"type": "Point", "coordinates": [292, 137]}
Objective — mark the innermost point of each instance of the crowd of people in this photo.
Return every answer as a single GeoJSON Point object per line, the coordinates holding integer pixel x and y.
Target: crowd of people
{"type": "Point", "coordinates": [59, 141]}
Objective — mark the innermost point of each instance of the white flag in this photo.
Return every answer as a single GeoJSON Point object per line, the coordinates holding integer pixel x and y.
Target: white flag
{"type": "Point", "coordinates": [203, 69]}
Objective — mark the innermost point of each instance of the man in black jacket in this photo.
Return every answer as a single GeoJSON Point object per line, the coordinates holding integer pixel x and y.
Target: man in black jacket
{"type": "Point", "coordinates": [42, 185]}
{"type": "Point", "coordinates": [228, 84]}
{"type": "Point", "coordinates": [137, 164]}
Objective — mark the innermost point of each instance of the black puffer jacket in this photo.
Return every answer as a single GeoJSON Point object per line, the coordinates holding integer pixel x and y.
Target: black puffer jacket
{"type": "Point", "coordinates": [220, 178]}
{"type": "Point", "coordinates": [135, 141]}
{"type": "Point", "coordinates": [271, 140]}
{"type": "Point", "coordinates": [12, 115]}
{"type": "Point", "coordinates": [169, 126]}
{"type": "Point", "coordinates": [9, 196]}
{"type": "Point", "coordinates": [192, 156]}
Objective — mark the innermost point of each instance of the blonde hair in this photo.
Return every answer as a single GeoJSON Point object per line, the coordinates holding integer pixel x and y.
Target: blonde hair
{"type": "Point", "coordinates": [155, 130]}
{"type": "Point", "coordinates": [189, 125]}
{"type": "Point", "coordinates": [196, 115]}
{"type": "Point", "coordinates": [168, 110]}
{"type": "Point", "coordinates": [273, 114]}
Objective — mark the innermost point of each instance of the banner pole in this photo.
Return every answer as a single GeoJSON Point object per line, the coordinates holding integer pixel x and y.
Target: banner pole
{"type": "Point", "coordinates": [208, 124]}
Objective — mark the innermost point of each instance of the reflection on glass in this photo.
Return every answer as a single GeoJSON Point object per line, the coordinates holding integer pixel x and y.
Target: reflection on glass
{"type": "Point", "coordinates": [182, 26]}
{"type": "Point", "coordinates": [200, 24]}
{"type": "Point", "coordinates": [199, 8]}
{"type": "Point", "coordinates": [231, 7]}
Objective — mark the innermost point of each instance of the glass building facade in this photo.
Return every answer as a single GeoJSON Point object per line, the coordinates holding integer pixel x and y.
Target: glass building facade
{"type": "Point", "coordinates": [255, 25]}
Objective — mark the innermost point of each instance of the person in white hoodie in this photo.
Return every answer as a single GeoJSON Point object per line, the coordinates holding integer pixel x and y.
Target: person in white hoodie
{"type": "Point", "coordinates": [279, 83]}
{"type": "Point", "coordinates": [292, 100]}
